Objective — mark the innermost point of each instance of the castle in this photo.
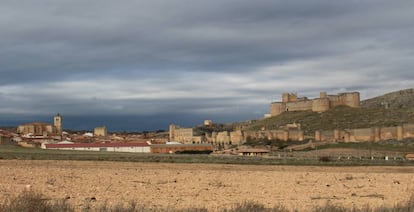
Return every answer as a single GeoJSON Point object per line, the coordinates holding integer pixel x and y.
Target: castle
{"type": "Point", "coordinates": [291, 102]}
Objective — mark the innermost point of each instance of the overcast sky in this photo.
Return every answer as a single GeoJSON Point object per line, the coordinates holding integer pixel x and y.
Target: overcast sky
{"type": "Point", "coordinates": [157, 62]}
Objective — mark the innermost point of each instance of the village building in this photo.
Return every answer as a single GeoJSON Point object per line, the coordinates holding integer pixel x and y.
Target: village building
{"type": "Point", "coordinates": [6, 138]}
{"type": "Point", "coordinates": [41, 129]}
{"type": "Point", "coordinates": [100, 131]}
{"type": "Point", "coordinates": [103, 147]}
{"type": "Point", "coordinates": [183, 135]}
{"type": "Point", "coordinates": [174, 148]}
{"type": "Point", "coordinates": [253, 152]}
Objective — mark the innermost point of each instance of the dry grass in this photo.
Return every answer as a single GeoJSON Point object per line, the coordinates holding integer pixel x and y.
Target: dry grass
{"type": "Point", "coordinates": [31, 201]}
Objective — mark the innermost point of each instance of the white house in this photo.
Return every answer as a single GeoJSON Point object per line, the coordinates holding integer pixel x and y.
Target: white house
{"type": "Point", "coordinates": [108, 147]}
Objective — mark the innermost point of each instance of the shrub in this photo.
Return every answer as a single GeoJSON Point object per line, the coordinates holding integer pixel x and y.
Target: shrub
{"type": "Point", "coordinates": [251, 206]}
{"type": "Point", "coordinates": [29, 201]}
{"type": "Point", "coordinates": [325, 159]}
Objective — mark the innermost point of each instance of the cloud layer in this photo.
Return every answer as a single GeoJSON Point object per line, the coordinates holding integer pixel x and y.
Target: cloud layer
{"type": "Point", "coordinates": [224, 59]}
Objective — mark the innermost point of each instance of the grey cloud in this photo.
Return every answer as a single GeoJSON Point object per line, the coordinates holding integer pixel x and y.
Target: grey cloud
{"type": "Point", "coordinates": [304, 46]}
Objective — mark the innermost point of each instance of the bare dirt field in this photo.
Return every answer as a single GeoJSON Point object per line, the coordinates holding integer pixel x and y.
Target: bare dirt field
{"type": "Point", "coordinates": [212, 186]}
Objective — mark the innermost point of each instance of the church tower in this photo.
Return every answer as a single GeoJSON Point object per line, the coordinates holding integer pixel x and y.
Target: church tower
{"type": "Point", "coordinates": [58, 123]}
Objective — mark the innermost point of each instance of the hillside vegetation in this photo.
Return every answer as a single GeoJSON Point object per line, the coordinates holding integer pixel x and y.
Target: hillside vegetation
{"type": "Point", "coordinates": [338, 118]}
{"type": "Point", "coordinates": [397, 99]}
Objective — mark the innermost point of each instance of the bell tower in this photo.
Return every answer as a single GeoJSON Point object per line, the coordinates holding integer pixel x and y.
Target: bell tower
{"type": "Point", "coordinates": [58, 123]}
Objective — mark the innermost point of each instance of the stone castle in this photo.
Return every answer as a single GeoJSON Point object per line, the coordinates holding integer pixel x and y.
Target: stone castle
{"type": "Point", "coordinates": [291, 102]}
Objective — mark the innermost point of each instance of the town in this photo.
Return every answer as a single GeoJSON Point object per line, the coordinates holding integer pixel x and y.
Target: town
{"type": "Point", "coordinates": [209, 137]}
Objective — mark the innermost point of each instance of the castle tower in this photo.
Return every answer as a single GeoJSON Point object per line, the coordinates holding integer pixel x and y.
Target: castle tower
{"type": "Point", "coordinates": [58, 123]}
{"type": "Point", "coordinates": [172, 132]}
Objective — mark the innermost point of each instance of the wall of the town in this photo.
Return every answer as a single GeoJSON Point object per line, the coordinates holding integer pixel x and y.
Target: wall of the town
{"type": "Point", "coordinates": [366, 134]}
{"type": "Point", "coordinates": [183, 135]}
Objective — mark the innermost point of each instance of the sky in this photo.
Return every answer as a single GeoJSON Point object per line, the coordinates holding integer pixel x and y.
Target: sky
{"type": "Point", "coordinates": [141, 65]}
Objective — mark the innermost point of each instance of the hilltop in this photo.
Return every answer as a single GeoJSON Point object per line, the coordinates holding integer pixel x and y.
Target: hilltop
{"type": "Point", "coordinates": [394, 100]}
{"type": "Point", "coordinates": [371, 114]}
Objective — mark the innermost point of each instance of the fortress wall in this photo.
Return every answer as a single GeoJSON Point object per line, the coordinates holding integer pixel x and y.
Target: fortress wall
{"type": "Point", "coordinates": [299, 106]}
{"type": "Point", "coordinates": [351, 99]}
{"type": "Point", "coordinates": [184, 135]}
{"type": "Point", "coordinates": [328, 136]}
{"type": "Point", "coordinates": [236, 137]}
{"type": "Point", "coordinates": [348, 99]}
{"type": "Point", "coordinates": [335, 101]}
{"type": "Point", "coordinates": [320, 105]}
{"type": "Point", "coordinates": [278, 134]}
{"type": "Point", "coordinates": [408, 131]}
{"type": "Point", "coordinates": [387, 133]}
{"type": "Point", "coordinates": [250, 135]}
{"type": "Point", "coordinates": [198, 139]}
{"type": "Point", "coordinates": [364, 134]}
{"type": "Point", "coordinates": [277, 108]}
{"type": "Point", "coordinates": [172, 132]}
{"type": "Point", "coordinates": [342, 135]}
{"type": "Point", "coordinates": [332, 136]}
{"type": "Point", "coordinates": [267, 135]}
{"type": "Point", "coordinates": [264, 135]}
{"type": "Point", "coordinates": [296, 135]}
{"type": "Point", "coordinates": [289, 97]}
{"type": "Point", "coordinates": [223, 137]}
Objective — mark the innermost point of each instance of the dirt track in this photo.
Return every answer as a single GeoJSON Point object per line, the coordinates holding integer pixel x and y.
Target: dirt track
{"type": "Point", "coordinates": [211, 186]}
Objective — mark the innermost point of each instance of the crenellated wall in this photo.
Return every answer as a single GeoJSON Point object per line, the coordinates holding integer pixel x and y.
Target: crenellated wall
{"type": "Point", "coordinates": [290, 102]}
{"type": "Point", "coordinates": [366, 134]}
{"type": "Point", "coordinates": [240, 137]}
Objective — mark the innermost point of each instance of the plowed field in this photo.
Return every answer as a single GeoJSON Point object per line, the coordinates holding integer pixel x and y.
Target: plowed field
{"type": "Point", "coordinates": [211, 186]}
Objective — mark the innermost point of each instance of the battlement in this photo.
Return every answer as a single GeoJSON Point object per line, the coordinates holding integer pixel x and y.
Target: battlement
{"type": "Point", "coordinates": [291, 102]}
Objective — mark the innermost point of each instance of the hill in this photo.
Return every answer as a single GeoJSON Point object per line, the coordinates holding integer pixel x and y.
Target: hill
{"type": "Point", "coordinates": [338, 118]}
{"type": "Point", "coordinates": [373, 113]}
{"type": "Point", "coordinates": [397, 99]}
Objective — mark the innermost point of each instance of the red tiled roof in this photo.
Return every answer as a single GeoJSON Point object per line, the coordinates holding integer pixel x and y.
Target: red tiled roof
{"type": "Point", "coordinates": [83, 145]}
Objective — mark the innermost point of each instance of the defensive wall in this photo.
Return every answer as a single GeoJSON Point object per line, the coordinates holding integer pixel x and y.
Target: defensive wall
{"type": "Point", "coordinates": [291, 102]}
{"type": "Point", "coordinates": [239, 136]}
{"type": "Point", "coordinates": [184, 135]}
{"type": "Point", "coordinates": [366, 134]}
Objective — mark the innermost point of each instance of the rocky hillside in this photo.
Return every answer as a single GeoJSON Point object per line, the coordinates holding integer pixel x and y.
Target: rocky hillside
{"type": "Point", "coordinates": [394, 100]}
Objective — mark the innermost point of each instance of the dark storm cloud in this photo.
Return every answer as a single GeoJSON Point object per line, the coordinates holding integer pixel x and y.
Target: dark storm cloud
{"type": "Point", "coordinates": [111, 57]}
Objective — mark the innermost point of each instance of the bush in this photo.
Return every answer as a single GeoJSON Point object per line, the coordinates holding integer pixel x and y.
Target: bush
{"type": "Point", "coordinates": [325, 159]}
{"type": "Point", "coordinates": [251, 206]}
{"type": "Point", "coordinates": [31, 201]}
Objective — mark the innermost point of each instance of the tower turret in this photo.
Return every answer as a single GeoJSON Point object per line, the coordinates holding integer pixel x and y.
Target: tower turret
{"type": "Point", "coordinates": [58, 123]}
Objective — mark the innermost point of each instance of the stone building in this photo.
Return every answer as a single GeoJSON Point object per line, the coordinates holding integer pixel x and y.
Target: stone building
{"type": "Point", "coordinates": [184, 135]}
{"type": "Point", "coordinates": [291, 102]}
{"type": "Point", "coordinates": [41, 128]}
{"type": "Point", "coordinates": [100, 131]}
